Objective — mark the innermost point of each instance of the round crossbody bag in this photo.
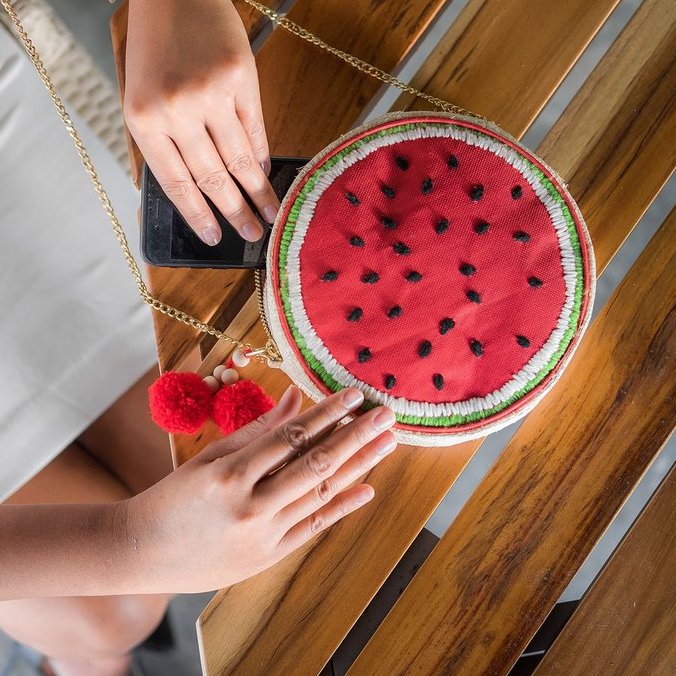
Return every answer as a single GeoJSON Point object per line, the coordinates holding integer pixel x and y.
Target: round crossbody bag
{"type": "Point", "coordinates": [427, 258]}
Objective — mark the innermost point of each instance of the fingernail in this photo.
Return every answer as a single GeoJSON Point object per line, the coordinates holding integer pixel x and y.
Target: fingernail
{"type": "Point", "coordinates": [352, 398]}
{"type": "Point", "coordinates": [387, 447]}
{"type": "Point", "coordinates": [265, 166]}
{"type": "Point", "coordinates": [285, 397]}
{"type": "Point", "coordinates": [252, 232]}
{"type": "Point", "coordinates": [269, 214]}
{"type": "Point", "coordinates": [364, 496]}
{"type": "Point", "coordinates": [210, 235]}
{"type": "Point", "coordinates": [384, 419]}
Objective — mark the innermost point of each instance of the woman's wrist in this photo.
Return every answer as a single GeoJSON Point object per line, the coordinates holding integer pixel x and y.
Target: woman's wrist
{"type": "Point", "coordinates": [73, 550]}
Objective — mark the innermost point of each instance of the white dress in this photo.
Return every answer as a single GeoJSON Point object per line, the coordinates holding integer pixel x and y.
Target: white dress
{"type": "Point", "coordinates": [73, 334]}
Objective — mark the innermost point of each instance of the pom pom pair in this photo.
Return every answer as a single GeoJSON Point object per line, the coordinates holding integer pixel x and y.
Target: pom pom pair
{"type": "Point", "coordinates": [182, 402]}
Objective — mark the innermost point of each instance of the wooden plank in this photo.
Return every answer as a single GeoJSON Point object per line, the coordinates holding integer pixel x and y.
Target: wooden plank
{"type": "Point", "coordinates": [118, 34]}
{"type": "Point", "coordinates": [336, 579]}
{"type": "Point", "coordinates": [541, 36]}
{"type": "Point", "coordinates": [506, 559]}
{"type": "Point", "coordinates": [626, 622]}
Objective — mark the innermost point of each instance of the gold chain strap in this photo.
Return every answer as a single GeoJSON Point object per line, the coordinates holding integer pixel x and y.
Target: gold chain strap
{"type": "Point", "coordinates": [269, 352]}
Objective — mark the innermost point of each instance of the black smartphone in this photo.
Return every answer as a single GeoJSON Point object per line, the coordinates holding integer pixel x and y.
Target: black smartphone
{"type": "Point", "coordinates": [168, 241]}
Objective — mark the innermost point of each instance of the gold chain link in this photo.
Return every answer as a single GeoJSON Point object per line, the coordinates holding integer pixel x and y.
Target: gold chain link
{"type": "Point", "coordinates": [269, 352]}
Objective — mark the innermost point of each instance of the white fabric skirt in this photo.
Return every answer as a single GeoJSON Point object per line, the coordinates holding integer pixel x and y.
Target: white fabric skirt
{"type": "Point", "coordinates": [74, 335]}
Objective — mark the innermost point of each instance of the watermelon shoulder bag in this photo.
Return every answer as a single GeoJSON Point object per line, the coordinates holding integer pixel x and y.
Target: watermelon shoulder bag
{"type": "Point", "coordinates": [426, 258]}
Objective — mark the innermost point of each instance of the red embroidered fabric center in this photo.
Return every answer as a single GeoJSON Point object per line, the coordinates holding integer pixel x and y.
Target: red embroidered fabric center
{"type": "Point", "coordinates": [449, 275]}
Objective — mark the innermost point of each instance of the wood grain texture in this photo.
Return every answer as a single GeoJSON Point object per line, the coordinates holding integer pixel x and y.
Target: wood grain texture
{"type": "Point", "coordinates": [506, 559]}
{"type": "Point", "coordinates": [626, 622]}
{"type": "Point", "coordinates": [310, 97]}
{"type": "Point", "coordinates": [473, 58]}
{"type": "Point", "coordinates": [118, 34]}
{"type": "Point", "coordinates": [338, 577]}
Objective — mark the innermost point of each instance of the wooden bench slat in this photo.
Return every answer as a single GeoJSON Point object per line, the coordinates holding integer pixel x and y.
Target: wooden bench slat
{"type": "Point", "coordinates": [541, 36]}
{"type": "Point", "coordinates": [626, 623]}
{"type": "Point", "coordinates": [352, 560]}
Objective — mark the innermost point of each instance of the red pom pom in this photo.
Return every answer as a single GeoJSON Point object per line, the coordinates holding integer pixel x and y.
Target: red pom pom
{"type": "Point", "coordinates": [237, 405]}
{"type": "Point", "coordinates": [180, 402]}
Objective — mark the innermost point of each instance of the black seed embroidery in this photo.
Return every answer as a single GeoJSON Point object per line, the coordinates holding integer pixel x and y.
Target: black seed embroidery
{"type": "Point", "coordinates": [481, 227]}
{"type": "Point", "coordinates": [427, 186]}
{"type": "Point", "coordinates": [441, 226]}
{"type": "Point", "coordinates": [476, 347]}
{"type": "Point", "coordinates": [516, 192]}
{"type": "Point", "coordinates": [370, 278]}
{"type": "Point", "coordinates": [425, 348]}
{"type": "Point", "coordinates": [355, 315]}
{"type": "Point", "coordinates": [402, 162]}
{"type": "Point", "coordinates": [388, 222]}
{"type": "Point", "coordinates": [474, 296]}
{"type": "Point", "coordinates": [352, 198]}
{"type": "Point", "coordinates": [476, 193]}
{"type": "Point", "coordinates": [330, 276]}
{"type": "Point", "coordinates": [445, 325]}
{"type": "Point", "coordinates": [394, 312]}
{"type": "Point", "coordinates": [401, 249]}
{"type": "Point", "coordinates": [388, 191]}
{"type": "Point", "coordinates": [413, 276]}
{"type": "Point", "coordinates": [523, 341]}
{"type": "Point", "coordinates": [364, 355]}
{"type": "Point", "coordinates": [355, 240]}
{"type": "Point", "coordinates": [438, 381]}
{"type": "Point", "coordinates": [521, 236]}
{"type": "Point", "coordinates": [390, 381]}
{"type": "Point", "coordinates": [467, 269]}
{"type": "Point", "coordinates": [534, 282]}
{"type": "Point", "coordinates": [452, 162]}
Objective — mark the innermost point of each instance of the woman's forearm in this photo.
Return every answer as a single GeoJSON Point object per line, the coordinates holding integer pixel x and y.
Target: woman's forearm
{"type": "Point", "coordinates": [57, 550]}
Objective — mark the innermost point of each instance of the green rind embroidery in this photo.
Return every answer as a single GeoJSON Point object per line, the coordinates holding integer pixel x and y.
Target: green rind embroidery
{"type": "Point", "coordinates": [441, 421]}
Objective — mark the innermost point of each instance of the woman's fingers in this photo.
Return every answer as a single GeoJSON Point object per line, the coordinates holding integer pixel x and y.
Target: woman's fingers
{"type": "Point", "coordinates": [356, 467]}
{"type": "Point", "coordinates": [242, 161]}
{"type": "Point", "coordinates": [343, 504]}
{"type": "Point", "coordinates": [313, 469]}
{"type": "Point", "coordinates": [211, 173]}
{"type": "Point", "coordinates": [287, 408]}
{"type": "Point", "coordinates": [177, 182]}
{"type": "Point", "coordinates": [277, 447]}
{"type": "Point", "coordinates": [249, 110]}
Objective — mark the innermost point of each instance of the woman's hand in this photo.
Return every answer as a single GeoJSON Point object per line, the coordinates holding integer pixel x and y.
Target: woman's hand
{"type": "Point", "coordinates": [193, 106]}
{"type": "Point", "coordinates": [248, 500]}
